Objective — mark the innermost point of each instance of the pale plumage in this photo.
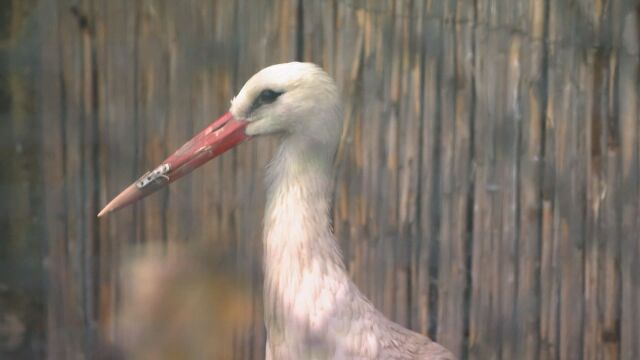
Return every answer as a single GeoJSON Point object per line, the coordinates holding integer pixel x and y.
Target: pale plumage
{"type": "Point", "coordinates": [312, 309]}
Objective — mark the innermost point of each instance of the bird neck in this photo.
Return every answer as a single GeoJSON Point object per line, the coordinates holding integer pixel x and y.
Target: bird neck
{"type": "Point", "coordinates": [297, 226]}
{"type": "Point", "coordinates": [301, 256]}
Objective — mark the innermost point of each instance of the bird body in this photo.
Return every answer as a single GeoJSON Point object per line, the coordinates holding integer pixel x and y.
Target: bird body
{"type": "Point", "coordinates": [312, 308]}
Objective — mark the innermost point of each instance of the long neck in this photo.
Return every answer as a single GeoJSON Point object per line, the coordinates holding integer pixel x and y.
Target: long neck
{"type": "Point", "coordinates": [300, 252]}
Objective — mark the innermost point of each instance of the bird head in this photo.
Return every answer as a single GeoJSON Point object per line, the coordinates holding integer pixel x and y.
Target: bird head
{"type": "Point", "coordinates": [292, 100]}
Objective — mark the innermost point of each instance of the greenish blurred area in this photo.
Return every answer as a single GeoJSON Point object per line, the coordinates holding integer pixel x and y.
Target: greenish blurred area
{"type": "Point", "coordinates": [22, 249]}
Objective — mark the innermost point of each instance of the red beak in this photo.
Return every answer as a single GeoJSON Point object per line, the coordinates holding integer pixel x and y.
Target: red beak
{"type": "Point", "coordinates": [215, 139]}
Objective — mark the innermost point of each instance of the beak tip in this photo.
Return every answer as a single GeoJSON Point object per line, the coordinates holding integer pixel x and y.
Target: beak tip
{"type": "Point", "coordinates": [126, 197]}
{"type": "Point", "coordinates": [110, 207]}
{"type": "Point", "coordinates": [104, 211]}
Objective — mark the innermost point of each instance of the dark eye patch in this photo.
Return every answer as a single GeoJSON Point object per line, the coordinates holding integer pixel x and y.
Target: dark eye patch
{"type": "Point", "coordinates": [266, 96]}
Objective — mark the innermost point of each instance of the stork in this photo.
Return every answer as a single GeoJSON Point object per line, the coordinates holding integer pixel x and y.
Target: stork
{"type": "Point", "coordinates": [312, 308]}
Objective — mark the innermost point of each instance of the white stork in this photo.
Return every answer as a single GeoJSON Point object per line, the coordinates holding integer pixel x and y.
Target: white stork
{"type": "Point", "coordinates": [312, 309]}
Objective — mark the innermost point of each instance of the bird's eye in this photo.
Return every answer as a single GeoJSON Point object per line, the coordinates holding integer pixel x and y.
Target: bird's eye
{"type": "Point", "coordinates": [268, 96]}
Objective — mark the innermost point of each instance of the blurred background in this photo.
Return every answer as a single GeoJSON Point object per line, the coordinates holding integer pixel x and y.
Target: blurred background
{"type": "Point", "coordinates": [487, 189]}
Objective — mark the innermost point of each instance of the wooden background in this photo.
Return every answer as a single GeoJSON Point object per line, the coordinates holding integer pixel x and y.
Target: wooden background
{"type": "Point", "coordinates": [488, 183]}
